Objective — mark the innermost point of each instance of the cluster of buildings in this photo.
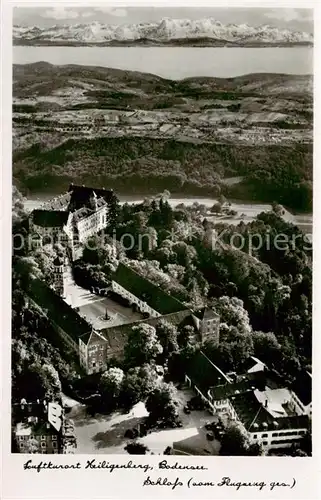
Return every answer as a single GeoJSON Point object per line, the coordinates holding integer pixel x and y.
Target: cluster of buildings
{"type": "Point", "coordinates": [41, 427]}
{"type": "Point", "coordinates": [269, 413]}
{"type": "Point", "coordinates": [72, 218]}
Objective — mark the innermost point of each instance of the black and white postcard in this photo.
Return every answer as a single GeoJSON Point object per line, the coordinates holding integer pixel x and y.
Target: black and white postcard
{"type": "Point", "coordinates": [158, 251]}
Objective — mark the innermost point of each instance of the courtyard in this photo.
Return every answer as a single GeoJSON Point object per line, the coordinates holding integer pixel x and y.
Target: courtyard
{"type": "Point", "coordinates": [100, 312]}
{"type": "Point", "coordinates": [104, 434]}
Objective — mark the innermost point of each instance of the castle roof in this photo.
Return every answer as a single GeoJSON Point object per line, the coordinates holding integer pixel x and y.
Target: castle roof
{"type": "Point", "coordinates": [116, 336]}
{"type": "Point", "coordinates": [49, 218]}
{"type": "Point", "coordinates": [84, 212]}
{"type": "Point", "coordinates": [145, 290]}
{"type": "Point", "coordinates": [60, 312]}
{"type": "Point", "coordinates": [206, 313]}
{"type": "Point", "coordinates": [81, 195]}
{"type": "Point", "coordinates": [58, 203]}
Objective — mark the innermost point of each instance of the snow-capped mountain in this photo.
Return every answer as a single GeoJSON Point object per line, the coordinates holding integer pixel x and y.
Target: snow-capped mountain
{"type": "Point", "coordinates": [162, 32]}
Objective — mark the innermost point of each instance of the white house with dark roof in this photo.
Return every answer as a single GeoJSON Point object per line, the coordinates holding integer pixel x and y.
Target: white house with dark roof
{"type": "Point", "coordinates": [272, 422]}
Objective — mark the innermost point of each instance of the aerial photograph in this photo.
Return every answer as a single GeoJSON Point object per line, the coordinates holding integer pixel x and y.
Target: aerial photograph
{"type": "Point", "coordinates": [162, 164]}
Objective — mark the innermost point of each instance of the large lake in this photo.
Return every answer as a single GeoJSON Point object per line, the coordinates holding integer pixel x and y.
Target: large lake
{"type": "Point", "coordinates": [177, 62]}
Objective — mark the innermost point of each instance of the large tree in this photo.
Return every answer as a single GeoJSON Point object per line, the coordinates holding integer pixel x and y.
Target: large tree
{"type": "Point", "coordinates": [142, 345]}
{"type": "Point", "coordinates": [162, 405]}
{"type": "Point", "coordinates": [137, 384]}
{"type": "Point", "coordinates": [236, 443]}
{"type": "Point", "coordinates": [110, 386]}
{"type": "Point", "coordinates": [167, 335]}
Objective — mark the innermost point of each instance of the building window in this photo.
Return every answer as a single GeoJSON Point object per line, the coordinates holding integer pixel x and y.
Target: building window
{"type": "Point", "coordinates": [21, 438]}
{"type": "Point", "coordinates": [43, 438]}
{"type": "Point", "coordinates": [255, 436]}
{"type": "Point", "coordinates": [275, 434]}
{"type": "Point", "coordinates": [21, 445]}
{"type": "Point", "coordinates": [54, 438]}
{"type": "Point", "coordinates": [264, 435]}
{"type": "Point", "coordinates": [265, 443]}
{"type": "Point", "coordinates": [43, 445]}
{"type": "Point", "coordinates": [54, 444]}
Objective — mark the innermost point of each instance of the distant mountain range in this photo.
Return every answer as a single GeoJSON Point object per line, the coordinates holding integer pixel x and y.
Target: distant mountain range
{"type": "Point", "coordinates": [202, 32]}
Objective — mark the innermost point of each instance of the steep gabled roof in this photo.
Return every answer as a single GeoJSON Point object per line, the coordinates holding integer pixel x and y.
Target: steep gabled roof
{"type": "Point", "coordinates": [206, 313]}
{"type": "Point", "coordinates": [80, 195]}
{"type": "Point", "coordinates": [251, 362]}
{"type": "Point", "coordinates": [146, 291]}
{"type": "Point", "coordinates": [58, 203]}
{"type": "Point", "coordinates": [204, 374]}
{"type": "Point", "coordinates": [95, 336]}
{"type": "Point", "coordinates": [50, 218]}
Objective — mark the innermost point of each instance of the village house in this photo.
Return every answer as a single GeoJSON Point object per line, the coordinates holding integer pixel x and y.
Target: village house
{"type": "Point", "coordinates": [41, 427]}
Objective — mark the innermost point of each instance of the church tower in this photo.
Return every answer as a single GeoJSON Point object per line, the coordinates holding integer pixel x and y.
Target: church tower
{"type": "Point", "coordinates": [58, 276]}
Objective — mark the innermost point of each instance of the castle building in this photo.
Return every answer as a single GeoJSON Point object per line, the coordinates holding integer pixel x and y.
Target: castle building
{"type": "Point", "coordinates": [96, 347]}
{"type": "Point", "coordinates": [73, 217]}
{"type": "Point", "coordinates": [207, 323]}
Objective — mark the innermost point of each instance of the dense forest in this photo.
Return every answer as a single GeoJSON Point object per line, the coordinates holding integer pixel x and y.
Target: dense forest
{"type": "Point", "coordinates": [142, 165]}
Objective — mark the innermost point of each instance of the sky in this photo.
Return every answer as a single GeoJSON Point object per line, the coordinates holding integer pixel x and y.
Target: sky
{"type": "Point", "coordinates": [293, 19]}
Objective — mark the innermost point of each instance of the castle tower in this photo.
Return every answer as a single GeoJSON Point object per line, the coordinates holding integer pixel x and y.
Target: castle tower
{"type": "Point", "coordinates": [93, 201]}
{"type": "Point", "coordinates": [58, 276]}
{"type": "Point", "coordinates": [207, 323]}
